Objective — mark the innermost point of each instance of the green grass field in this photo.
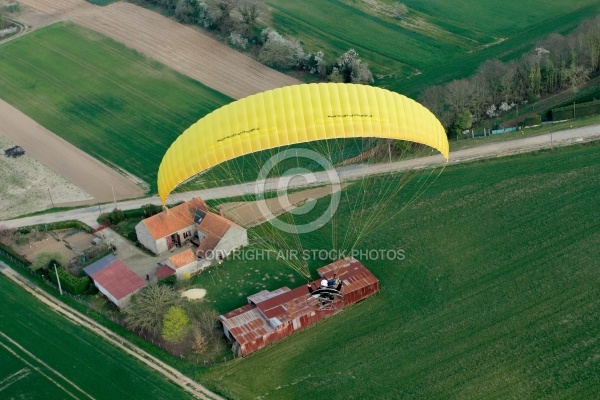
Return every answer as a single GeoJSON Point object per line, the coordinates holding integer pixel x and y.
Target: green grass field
{"type": "Point", "coordinates": [44, 356]}
{"type": "Point", "coordinates": [497, 297]}
{"type": "Point", "coordinates": [109, 101]}
{"type": "Point", "coordinates": [438, 40]}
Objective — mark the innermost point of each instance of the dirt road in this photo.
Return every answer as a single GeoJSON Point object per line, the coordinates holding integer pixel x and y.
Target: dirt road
{"type": "Point", "coordinates": [253, 213]}
{"type": "Point", "coordinates": [192, 387]}
{"type": "Point", "coordinates": [563, 138]}
{"type": "Point", "coordinates": [185, 49]}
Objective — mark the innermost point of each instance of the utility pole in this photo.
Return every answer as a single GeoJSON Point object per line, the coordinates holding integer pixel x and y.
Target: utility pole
{"type": "Point", "coordinates": [58, 279]}
{"type": "Point", "coordinates": [52, 201]}
{"type": "Point", "coordinates": [573, 109]}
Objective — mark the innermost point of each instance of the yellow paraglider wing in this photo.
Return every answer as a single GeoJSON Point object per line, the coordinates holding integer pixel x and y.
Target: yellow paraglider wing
{"type": "Point", "coordinates": [296, 114]}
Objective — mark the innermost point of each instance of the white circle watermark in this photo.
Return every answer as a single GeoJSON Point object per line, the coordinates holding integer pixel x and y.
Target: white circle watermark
{"type": "Point", "coordinates": [282, 184]}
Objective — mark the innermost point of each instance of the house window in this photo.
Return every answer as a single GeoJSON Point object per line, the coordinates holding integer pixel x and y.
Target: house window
{"type": "Point", "coordinates": [187, 234]}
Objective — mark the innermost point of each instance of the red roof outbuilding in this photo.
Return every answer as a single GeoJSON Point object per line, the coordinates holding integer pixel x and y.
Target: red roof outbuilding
{"type": "Point", "coordinates": [271, 316]}
{"type": "Point", "coordinates": [118, 280]}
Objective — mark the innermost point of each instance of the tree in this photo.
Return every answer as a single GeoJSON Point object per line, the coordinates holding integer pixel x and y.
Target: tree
{"type": "Point", "coordinates": [43, 260]}
{"type": "Point", "coordinates": [238, 41]}
{"type": "Point", "coordinates": [206, 321]}
{"type": "Point", "coordinates": [464, 120]}
{"type": "Point", "coordinates": [112, 218]}
{"type": "Point", "coordinates": [168, 4]}
{"type": "Point", "coordinates": [509, 84]}
{"type": "Point", "coordinates": [352, 69]}
{"type": "Point", "coordinates": [398, 10]}
{"type": "Point", "coordinates": [361, 73]}
{"type": "Point", "coordinates": [480, 97]}
{"type": "Point", "coordinates": [335, 76]}
{"type": "Point", "coordinates": [176, 325]}
{"type": "Point", "coordinates": [200, 344]}
{"type": "Point", "coordinates": [250, 11]}
{"type": "Point", "coordinates": [149, 306]}
{"type": "Point", "coordinates": [491, 72]}
{"type": "Point", "coordinates": [433, 99]}
{"type": "Point", "coordinates": [314, 63]}
{"type": "Point", "coordinates": [187, 11]}
{"type": "Point", "coordinates": [280, 52]}
{"type": "Point", "coordinates": [218, 14]}
{"type": "Point", "coordinates": [149, 210]}
{"type": "Point", "coordinates": [575, 75]}
{"type": "Point", "coordinates": [590, 41]}
{"type": "Point", "coordinates": [459, 96]}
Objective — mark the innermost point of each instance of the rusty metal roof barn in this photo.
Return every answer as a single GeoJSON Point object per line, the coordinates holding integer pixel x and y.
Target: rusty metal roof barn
{"type": "Point", "coordinates": [271, 316]}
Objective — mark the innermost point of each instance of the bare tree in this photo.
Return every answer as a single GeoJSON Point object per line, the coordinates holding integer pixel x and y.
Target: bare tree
{"type": "Point", "coordinates": [459, 95]}
{"type": "Point", "coordinates": [491, 73]}
{"type": "Point", "coordinates": [480, 97]}
{"type": "Point", "coordinates": [207, 322]}
{"type": "Point", "coordinates": [199, 344]}
{"type": "Point", "coordinates": [575, 75]}
{"type": "Point", "coordinates": [589, 42]}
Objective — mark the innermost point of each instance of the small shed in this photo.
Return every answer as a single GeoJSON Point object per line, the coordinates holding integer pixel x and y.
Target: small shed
{"type": "Point", "coordinates": [114, 279]}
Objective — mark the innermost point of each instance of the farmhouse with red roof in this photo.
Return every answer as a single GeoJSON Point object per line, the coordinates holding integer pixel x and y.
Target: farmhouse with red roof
{"type": "Point", "coordinates": [191, 222]}
{"type": "Point", "coordinates": [114, 279]}
{"type": "Point", "coordinates": [271, 316]}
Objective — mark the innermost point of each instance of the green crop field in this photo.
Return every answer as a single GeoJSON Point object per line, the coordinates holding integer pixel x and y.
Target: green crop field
{"type": "Point", "coordinates": [436, 42]}
{"type": "Point", "coordinates": [45, 356]}
{"type": "Point", "coordinates": [497, 296]}
{"type": "Point", "coordinates": [109, 101]}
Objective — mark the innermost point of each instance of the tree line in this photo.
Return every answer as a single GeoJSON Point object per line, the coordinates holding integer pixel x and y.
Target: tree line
{"type": "Point", "coordinates": [557, 63]}
{"type": "Point", "coordinates": [243, 24]}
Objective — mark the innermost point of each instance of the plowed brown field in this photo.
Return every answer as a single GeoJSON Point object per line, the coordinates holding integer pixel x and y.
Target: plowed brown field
{"type": "Point", "coordinates": [185, 49]}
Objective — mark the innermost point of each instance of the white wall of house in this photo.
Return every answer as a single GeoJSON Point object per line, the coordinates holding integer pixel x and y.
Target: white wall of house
{"type": "Point", "coordinates": [190, 269]}
{"type": "Point", "coordinates": [145, 238]}
{"type": "Point", "coordinates": [161, 246]}
{"type": "Point", "coordinates": [233, 239]}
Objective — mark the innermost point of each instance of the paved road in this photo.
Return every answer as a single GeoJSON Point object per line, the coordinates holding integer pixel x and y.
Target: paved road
{"type": "Point", "coordinates": [88, 215]}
